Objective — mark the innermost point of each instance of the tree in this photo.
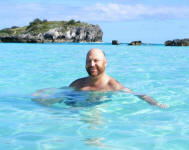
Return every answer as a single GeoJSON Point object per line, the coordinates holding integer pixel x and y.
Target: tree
{"type": "Point", "coordinates": [71, 22]}
{"type": "Point", "coordinates": [36, 21]}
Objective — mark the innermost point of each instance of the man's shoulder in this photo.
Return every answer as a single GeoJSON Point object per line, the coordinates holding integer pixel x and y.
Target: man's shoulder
{"type": "Point", "coordinates": [78, 82]}
{"type": "Point", "coordinates": [115, 84]}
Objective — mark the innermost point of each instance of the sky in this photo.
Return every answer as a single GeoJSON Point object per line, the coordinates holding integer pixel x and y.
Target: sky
{"type": "Point", "coordinates": [151, 21]}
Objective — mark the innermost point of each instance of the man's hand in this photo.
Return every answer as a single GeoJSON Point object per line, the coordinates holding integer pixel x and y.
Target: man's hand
{"type": "Point", "coordinates": [162, 105]}
{"type": "Point", "coordinates": [45, 97]}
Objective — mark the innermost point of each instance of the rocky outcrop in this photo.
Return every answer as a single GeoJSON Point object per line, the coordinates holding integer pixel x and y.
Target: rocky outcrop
{"type": "Point", "coordinates": [177, 42]}
{"type": "Point", "coordinates": [87, 33]}
{"type": "Point", "coordinates": [115, 42]}
{"type": "Point", "coordinates": [136, 43]}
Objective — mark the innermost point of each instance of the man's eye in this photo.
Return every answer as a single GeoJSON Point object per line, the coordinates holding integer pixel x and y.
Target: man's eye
{"type": "Point", "coordinates": [95, 60]}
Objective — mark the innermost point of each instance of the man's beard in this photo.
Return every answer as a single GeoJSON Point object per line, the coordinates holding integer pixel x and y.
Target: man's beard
{"type": "Point", "coordinates": [90, 73]}
{"type": "Point", "coordinates": [97, 72]}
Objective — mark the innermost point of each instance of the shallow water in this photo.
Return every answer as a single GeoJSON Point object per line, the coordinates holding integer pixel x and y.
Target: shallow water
{"type": "Point", "coordinates": [93, 120]}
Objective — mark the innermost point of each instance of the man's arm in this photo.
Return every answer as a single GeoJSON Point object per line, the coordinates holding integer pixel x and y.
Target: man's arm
{"type": "Point", "coordinates": [146, 98]}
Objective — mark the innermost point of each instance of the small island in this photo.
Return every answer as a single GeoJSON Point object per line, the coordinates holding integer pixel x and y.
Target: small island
{"type": "Point", "coordinates": [135, 43]}
{"type": "Point", "coordinates": [43, 31]}
{"type": "Point", "coordinates": [177, 42]}
{"type": "Point", "coordinates": [115, 42]}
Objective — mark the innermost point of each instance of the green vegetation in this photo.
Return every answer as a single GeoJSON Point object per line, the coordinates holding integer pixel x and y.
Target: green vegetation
{"type": "Point", "coordinates": [40, 26]}
{"type": "Point", "coordinates": [12, 31]}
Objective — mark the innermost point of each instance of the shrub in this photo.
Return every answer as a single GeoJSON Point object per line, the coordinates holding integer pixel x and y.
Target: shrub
{"type": "Point", "coordinates": [71, 22]}
{"type": "Point", "coordinates": [45, 20]}
{"type": "Point", "coordinates": [14, 27]}
{"type": "Point", "coordinates": [35, 22]}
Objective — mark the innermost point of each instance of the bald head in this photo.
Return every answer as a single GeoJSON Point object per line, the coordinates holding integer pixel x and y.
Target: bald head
{"type": "Point", "coordinates": [95, 62]}
{"type": "Point", "coordinates": [98, 52]}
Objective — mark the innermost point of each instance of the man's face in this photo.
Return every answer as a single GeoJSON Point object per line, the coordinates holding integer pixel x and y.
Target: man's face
{"type": "Point", "coordinates": [95, 63]}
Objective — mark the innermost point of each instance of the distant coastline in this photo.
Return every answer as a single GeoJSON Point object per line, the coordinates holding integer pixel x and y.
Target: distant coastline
{"type": "Point", "coordinates": [43, 31]}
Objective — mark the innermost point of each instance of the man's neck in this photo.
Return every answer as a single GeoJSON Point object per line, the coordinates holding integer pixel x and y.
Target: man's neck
{"type": "Point", "coordinates": [95, 80]}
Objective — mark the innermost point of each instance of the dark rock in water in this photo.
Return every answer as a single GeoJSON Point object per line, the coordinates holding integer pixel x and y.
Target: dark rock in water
{"type": "Point", "coordinates": [115, 42]}
{"type": "Point", "coordinates": [52, 31]}
{"type": "Point", "coordinates": [136, 43]}
{"type": "Point", "coordinates": [177, 42]}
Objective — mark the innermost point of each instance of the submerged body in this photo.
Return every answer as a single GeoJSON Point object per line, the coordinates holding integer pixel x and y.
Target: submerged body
{"type": "Point", "coordinates": [98, 80]}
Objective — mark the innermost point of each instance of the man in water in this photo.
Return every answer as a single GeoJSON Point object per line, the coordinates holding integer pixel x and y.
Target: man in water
{"type": "Point", "coordinates": [98, 80]}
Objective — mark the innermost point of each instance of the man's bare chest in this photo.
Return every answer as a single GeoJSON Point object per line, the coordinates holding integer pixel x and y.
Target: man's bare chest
{"type": "Point", "coordinates": [96, 88]}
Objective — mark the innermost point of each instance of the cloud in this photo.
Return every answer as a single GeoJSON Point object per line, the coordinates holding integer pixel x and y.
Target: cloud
{"type": "Point", "coordinates": [98, 12]}
{"type": "Point", "coordinates": [118, 12]}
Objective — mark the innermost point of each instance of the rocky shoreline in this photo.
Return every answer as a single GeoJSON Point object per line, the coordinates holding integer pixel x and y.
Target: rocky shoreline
{"type": "Point", "coordinates": [63, 32]}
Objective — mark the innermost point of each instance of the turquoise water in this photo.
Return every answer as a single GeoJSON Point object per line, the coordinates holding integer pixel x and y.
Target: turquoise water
{"type": "Point", "coordinates": [112, 121]}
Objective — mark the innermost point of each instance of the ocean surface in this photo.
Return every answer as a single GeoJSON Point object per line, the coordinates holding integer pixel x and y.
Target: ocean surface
{"type": "Point", "coordinates": [64, 119]}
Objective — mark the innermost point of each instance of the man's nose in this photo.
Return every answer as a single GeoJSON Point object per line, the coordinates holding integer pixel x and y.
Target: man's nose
{"type": "Point", "coordinates": [92, 63]}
